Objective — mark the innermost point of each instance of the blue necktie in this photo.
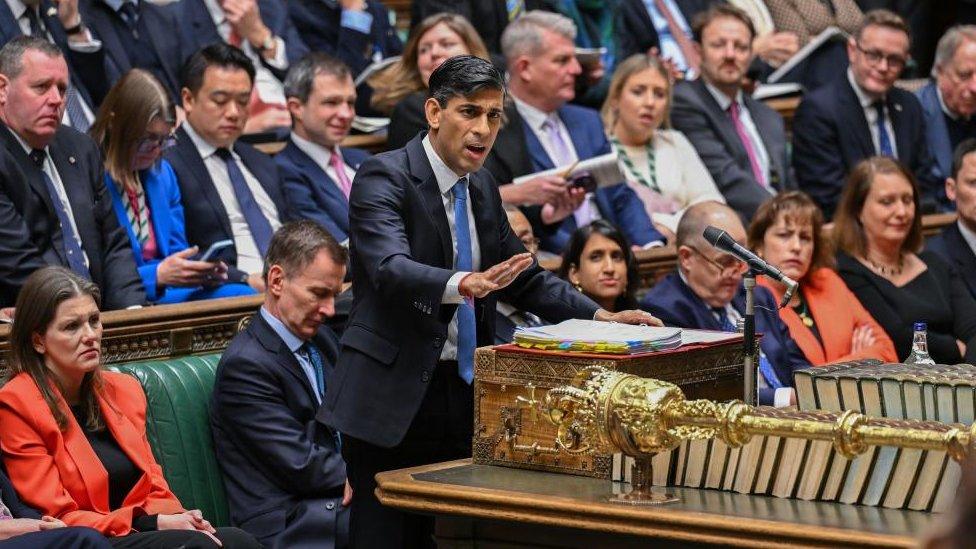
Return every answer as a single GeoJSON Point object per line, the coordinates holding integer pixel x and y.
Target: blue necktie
{"type": "Point", "coordinates": [72, 245]}
{"type": "Point", "coordinates": [315, 357]}
{"type": "Point", "coordinates": [884, 140]}
{"type": "Point", "coordinates": [256, 222]}
{"type": "Point", "coordinates": [765, 368]}
{"type": "Point", "coordinates": [465, 312]}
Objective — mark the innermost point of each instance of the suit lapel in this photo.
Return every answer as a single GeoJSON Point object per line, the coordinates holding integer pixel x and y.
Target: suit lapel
{"type": "Point", "coordinates": [130, 440]}
{"type": "Point", "coordinates": [273, 343]}
{"type": "Point", "coordinates": [191, 157]}
{"type": "Point", "coordinates": [510, 146]}
{"type": "Point", "coordinates": [8, 23]}
{"type": "Point", "coordinates": [902, 131]}
{"type": "Point", "coordinates": [31, 172]}
{"type": "Point", "coordinates": [99, 20]}
{"type": "Point", "coordinates": [155, 27]}
{"type": "Point", "coordinates": [853, 112]}
{"type": "Point", "coordinates": [424, 178]}
{"type": "Point", "coordinates": [722, 121]}
{"type": "Point", "coordinates": [965, 259]}
{"type": "Point", "coordinates": [767, 128]}
{"type": "Point", "coordinates": [305, 162]}
{"type": "Point", "coordinates": [484, 221]}
{"type": "Point", "coordinates": [267, 180]}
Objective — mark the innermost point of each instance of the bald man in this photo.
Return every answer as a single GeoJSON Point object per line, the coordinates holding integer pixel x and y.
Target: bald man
{"type": "Point", "coordinates": [706, 293]}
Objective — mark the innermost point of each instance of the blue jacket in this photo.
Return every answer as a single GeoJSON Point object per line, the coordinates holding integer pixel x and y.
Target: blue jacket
{"type": "Point", "coordinates": [676, 304]}
{"type": "Point", "coordinates": [936, 133]}
{"type": "Point", "coordinates": [518, 152]}
{"type": "Point", "coordinates": [311, 194]}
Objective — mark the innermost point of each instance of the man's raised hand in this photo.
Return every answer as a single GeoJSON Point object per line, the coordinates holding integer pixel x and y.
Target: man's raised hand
{"type": "Point", "coordinates": [479, 285]}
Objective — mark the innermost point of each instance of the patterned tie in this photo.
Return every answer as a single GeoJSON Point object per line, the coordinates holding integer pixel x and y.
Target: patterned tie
{"type": "Point", "coordinates": [465, 313]}
{"type": "Point", "coordinates": [766, 371]}
{"type": "Point", "coordinates": [72, 245]}
{"type": "Point", "coordinates": [256, 221]}
{"type": "Point", "coordinates": [692, 59]}
{"type": "Point", "coordinates": [130, 16]}
{"type": "Point", "coordinates": [515, 8]}
{"type": "Point", "coordinates": [340, 169]}
{"type": "Point", "coordinates": [318, 365]}
{"type": "Point", "coordinates": [884, 140]}
{"type": "Point", "coordinates": [740, 129]}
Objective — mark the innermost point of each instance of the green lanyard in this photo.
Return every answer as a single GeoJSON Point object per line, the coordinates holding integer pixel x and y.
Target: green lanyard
{"type": "Point", "coordinates": [632, 170]}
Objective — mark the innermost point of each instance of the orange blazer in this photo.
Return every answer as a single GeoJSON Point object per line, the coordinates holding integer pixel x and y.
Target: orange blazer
{"type": "Point", "coordinates": [836, 311]}
{"type": "Point", "coordinates": [59, 474]}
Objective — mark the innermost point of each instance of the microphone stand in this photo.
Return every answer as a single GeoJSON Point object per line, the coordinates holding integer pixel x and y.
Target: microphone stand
{"type": "Point", "coordinates": [749, 340]}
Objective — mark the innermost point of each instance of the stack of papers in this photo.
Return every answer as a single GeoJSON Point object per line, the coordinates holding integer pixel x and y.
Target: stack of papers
{"type": "Point", "coordinates": [590, 336]}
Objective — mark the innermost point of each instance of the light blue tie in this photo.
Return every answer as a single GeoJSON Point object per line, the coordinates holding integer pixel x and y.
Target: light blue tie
{"type": "Point", "coordinates": [884, 140]}
{"type": "Point", "coordinates": [465, 312]}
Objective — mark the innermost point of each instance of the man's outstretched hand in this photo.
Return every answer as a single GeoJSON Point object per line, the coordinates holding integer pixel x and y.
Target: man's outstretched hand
{"type": "Point", "coordinates": [479, 285]}
{"type": "Point", "coordinates": [628, 317]}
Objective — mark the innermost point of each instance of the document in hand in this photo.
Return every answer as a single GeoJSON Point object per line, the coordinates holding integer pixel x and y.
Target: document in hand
{"type": "Point", "coordinates": [604, 169]}
{"type": "Point", "coordinates": [830, 33]}
{"type": "Point", "coordinates": [598, 337]}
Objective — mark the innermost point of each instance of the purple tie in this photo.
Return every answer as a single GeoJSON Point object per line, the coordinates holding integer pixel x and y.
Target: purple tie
{"type": "Point", "coordinates": [340, 169]}
{"type": "Point", "coordinates": [747, 143]}
{"type": "Point", "coordinates": [586, 213]}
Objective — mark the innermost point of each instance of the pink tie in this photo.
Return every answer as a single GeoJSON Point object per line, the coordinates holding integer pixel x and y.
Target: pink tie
{"type": "Point", "coordinates": [747, 143]}
{"type": "Point", "coordinates": [340, 170]}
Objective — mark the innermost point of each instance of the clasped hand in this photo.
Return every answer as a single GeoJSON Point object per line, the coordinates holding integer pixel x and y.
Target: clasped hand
{"type": "Point", "coordinates": [188, 520]}
{"type": "Point", "coordinates": [479, 285]}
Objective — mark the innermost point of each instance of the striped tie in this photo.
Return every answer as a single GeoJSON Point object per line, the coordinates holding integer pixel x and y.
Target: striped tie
{"type": "Point", "coordinates": [515, 8]}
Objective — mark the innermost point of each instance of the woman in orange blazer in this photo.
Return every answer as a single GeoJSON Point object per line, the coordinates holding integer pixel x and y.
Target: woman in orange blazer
{"type": "Point", "coordinates": [74, 437]}
{"type": "Point", "coordinates": [825, 319]}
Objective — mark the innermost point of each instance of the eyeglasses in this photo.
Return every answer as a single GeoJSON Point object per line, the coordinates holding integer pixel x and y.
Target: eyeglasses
{"type": "Point", "coordinates": [727, 265]}
{"type": "Point", "coordinates": [163, 142]}
{"type": "Point", "coordinates": [874, 57]}
{"type": "Point", "coordinates": [531, 244]}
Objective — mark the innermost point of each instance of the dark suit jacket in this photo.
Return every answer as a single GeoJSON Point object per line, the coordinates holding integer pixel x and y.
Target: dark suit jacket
{"type": "Point", "coordinates": [831, 135]}
{"type": "Point", "coordinates": [283, 473]}
{"type": "Point", "coordinates": [318, 21]}
{"type": "Point", "coordinates": [696, 114]}
{"type": "Point", "coordinates": [676, 304]}
{"type": "Point", "coordinates": [162, 25]}
{"type": "Point", "coordinates": [518, 152]}
{"type": "Point", "coordinates": [402, 258]}
{"type": "Point", "coordinates": [206, 218]}
{"type": "Point", "coordinates": [87, 69]}
{"type": "Point", "coordinates": [636, 31]}
{"type": "Point", "coordinates": [30, 234]}
{"type": "Point", "coordinates": [311, 193]}
{"type": "Point", "coordinates": [953, 248]}
{"type": "Point", "coordinates": [199, 30]}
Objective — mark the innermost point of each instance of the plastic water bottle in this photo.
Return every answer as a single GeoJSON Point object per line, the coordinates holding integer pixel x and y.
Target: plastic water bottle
{"type": "Point", "coordinates": [920, 347]}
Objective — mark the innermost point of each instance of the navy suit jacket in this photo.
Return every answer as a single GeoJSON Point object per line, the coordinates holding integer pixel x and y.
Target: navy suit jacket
{"type": "Point", "coordinates": [635, 30]}
{"type": "Point", "coordinates": [87, 69]}
{"type": "Point", "coordinates": [402, 259]}
{"type": "Point", "coordinates": [199, 30]}
{"type": "Point", "coordinates": [206, 218]}
{"type": "Point", "coordinates": [162, 25]}
{"type": "Point", "coordinates": [710, 130]}
{"type": "Point", "coordinates": [518, 152]}
{"type": "Point", "coordinates": [30, 233]}
{"type": "Point", "coordinates": [676, 304]}
{"type": "Point", "coordinates": [953, 248]}
{"type": "Point", "coordinates": [318, 21]}
{"type": "Point", "coordinates": [831, 135]}
{"type": "Point", "coordinates": [283, 473]}
{"type": "Point", "coordinates": [936, 133]}
{"type": "Point", "coordinates": [311, 194]}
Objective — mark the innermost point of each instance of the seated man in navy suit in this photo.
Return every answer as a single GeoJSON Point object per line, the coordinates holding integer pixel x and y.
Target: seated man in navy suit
{"type": "Point", "coordinates": [957, 242]}
{"type": "Point", "coordinates": [316, 172]}
{"type": "Point", "coordinates": [706, 293]}
{"type": "Point", "coordinates": [285, 478]}
{"type": "Point", "coordinates": [863, 114]}
{"type": "Point", "coordinates": [229, 190]}
{"type": "Point", "coordinates": [949, 101]}
{"type": "Point", "coordinates": [543, 132]}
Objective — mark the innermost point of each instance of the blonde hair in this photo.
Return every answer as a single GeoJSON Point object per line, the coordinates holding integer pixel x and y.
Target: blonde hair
{"type": "Point", "coordinates": [403, 78]}
{"type": "Point", "coordinates": [631, 66]}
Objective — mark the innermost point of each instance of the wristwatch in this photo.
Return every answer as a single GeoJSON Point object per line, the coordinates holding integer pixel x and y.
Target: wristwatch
{"type": "Point", "coordinates": [77, 29]}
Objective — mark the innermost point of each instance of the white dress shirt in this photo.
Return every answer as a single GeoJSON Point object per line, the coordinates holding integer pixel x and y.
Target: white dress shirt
{"type": "Point", "coordinates": [294, 344]}
{"type": "Point", "coordinates": [323, 158]}
{"type": "Point", "coordinates": [446, 178]}
{"type": "Point", "coordinates": [52, 171]}
{"type": "Point", "coordinates": [762, 155]}
{"type": "Point", "coordinates": [269, 88]}
{"type": "Point", "coordinates": [871, 115]}
{"type": "Point", "coordinates": [249, 259]}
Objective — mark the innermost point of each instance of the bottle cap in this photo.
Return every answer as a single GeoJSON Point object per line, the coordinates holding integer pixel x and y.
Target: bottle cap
{"type": "Point", "coordinates": [920, 326]}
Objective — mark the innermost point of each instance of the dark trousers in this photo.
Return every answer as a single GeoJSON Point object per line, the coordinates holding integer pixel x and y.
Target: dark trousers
{"type": "Point", "coordinates": [59, 538]}
{"type": "Point", "coordinates": [441, 431]}
{"type": "Point", "coordinates": [232, 538]}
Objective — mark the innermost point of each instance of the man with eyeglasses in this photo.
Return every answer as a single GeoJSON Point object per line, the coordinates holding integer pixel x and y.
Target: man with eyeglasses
{"type": "Point", "coordinates": [54, 208]}
{"type": "Point", "coordinates": [707, 293]}
{"type": "Point", "coordinates": [949, 100]}
{"type": "Point", "coordinates": [863, 114]}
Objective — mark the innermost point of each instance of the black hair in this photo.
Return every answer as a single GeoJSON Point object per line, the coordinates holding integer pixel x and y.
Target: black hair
{"type": "Point", "coordinates": [215, 55]}
{"type": "Point", "coordinates": [463, 75]}
{"type": "Point", "coordinates": [964, 149]}
{"type": "Point", "coordinates": [574, 251]}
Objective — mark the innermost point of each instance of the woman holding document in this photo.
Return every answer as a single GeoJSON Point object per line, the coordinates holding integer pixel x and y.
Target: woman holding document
{"type": "Point", "coordinates": [658, 163]}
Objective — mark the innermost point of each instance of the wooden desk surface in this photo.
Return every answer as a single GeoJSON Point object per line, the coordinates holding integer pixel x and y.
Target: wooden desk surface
{"type": "Point", "coordinates": [458, 488]}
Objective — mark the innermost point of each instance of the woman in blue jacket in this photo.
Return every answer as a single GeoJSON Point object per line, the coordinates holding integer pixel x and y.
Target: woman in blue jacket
{"type": "Point", "coordinates": [133, 127]}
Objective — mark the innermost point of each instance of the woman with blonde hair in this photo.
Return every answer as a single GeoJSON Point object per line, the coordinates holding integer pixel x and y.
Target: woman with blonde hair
{"type": "Point", "coordinates": [133, 127]}
{"type": "Point", "coordinates": [402, 89]}
{"type": "Point", "coordinates": [659, 163]}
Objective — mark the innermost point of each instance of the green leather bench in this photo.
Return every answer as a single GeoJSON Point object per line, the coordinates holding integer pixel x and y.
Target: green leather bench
{"type": "Point", "coordinates": [178, 426]}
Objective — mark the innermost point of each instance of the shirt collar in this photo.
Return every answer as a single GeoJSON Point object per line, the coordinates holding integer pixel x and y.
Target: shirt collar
{"type": "Point", "coordinates": [117, 4]}
{"type": "Point", "coordinates": [505, 309]}
{"type": "Point", "coordinates": [27, 148]}
{"type": "Point", "coordinates": [533, 116]}
{"type": "Point", "coordinates": [205, 149]}
{"type": "Point", "coordinates": [17, 8]}
{"type": "Point", "coordinates": [945, 109]}
{"type": "Point", "coordinates": [864, 99]}
{"type": "Point", "coordinates": [723, 100]}
{"type": "Point", "coordinates": [292, 341]}
{"type": "Point", "coordinates": [315, 151]}
{"type": "Point", "coordinates": [446, 178]}
{"type": "Point", "coordinates": [967, 235]}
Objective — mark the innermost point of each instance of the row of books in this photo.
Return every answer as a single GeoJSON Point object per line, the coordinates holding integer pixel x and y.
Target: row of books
{"type": "Point", "coordinates": [813, 470]}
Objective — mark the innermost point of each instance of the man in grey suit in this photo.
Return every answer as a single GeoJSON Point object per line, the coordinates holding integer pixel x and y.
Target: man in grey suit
{"type": "Point", "coordinates": [741, 141]}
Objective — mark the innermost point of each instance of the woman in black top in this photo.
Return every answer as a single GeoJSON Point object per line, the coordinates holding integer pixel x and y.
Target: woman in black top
{"type": "Point", "coordinates": [878, 232]}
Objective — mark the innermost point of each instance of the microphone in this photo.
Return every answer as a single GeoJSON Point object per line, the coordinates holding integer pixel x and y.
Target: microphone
{"type": "Point", "coordinates": [721, 240]}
